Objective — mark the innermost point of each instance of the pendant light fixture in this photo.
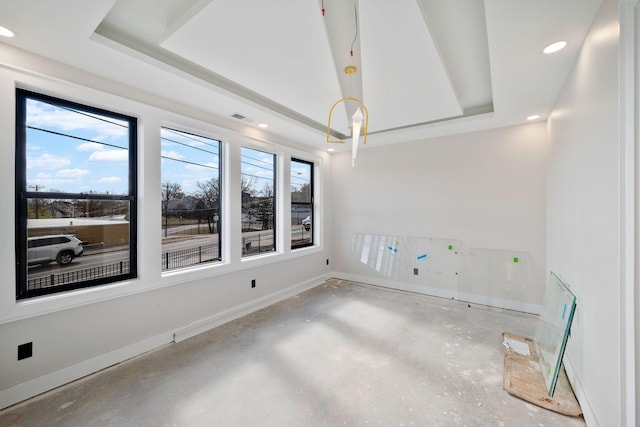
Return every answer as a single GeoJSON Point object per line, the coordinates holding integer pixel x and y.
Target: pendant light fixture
{"type": "Point", "coordinates": [359, 120]}
{"type": "Point", "coordinates": [360, 115]}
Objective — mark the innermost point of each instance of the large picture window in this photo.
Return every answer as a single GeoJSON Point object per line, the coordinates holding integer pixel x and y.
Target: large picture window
{"type": "Point", "coordinates": [258, 178]}
{"type": "Point", "coordinates": [301, 203]}
{"type": "Point", "coordinates": [191, 216]}
{"type": "Point", "coordinates": [75, 195]}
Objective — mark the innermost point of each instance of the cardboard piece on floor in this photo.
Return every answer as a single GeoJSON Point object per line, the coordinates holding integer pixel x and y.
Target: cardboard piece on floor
{"type": "Point", "coordinates": [522, 378]}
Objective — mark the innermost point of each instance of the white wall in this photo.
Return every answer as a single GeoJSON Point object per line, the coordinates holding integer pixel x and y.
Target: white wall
{"type": "Point", "coordinates": [78, 332]}
{"type": "Point", "coordinates": [584, 218]}
{"type": "Point", "coordinates": [486, 189]}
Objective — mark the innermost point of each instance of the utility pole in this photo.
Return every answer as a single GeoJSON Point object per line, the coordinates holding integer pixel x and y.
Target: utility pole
{"type": "Point", "coordinates": [37, 187]}
{"type": "Point", "coordinates": [166, 211]}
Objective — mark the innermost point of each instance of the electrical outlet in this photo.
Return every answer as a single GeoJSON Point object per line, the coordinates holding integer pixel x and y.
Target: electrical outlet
{"type": "Point", "coordinates": [253, 283]}
{"type": "Point", "coordinates": [25, 350]}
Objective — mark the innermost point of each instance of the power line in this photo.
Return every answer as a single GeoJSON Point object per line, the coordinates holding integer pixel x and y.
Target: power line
{"type": "Point", "coordinates": [189, 146]}
{"type": "Point", "coordinates": [192, 137]}
{"type": "Point", "coordinates": [258, 160]}
{"type": "Point", "coordinates": [258, 166]}
{"type": "Point", "coordinates": [258, 177]}
{"type": "Point", "coordinates": [76, 137]}
{"type": "Point", "coordinates": [189, 163]}
{"type": "Point", "coordinates": [82, 113]}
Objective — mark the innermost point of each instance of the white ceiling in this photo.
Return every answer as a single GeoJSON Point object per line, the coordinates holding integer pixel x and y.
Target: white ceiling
{"type": "Point", "coordinates": [425, 67]}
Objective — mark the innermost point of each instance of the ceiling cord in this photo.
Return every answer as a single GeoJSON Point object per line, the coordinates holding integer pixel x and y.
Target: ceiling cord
{"type": "Point", "coordinates": [355, 11]}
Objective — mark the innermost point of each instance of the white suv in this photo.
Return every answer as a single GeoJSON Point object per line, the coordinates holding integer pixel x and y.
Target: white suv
{"type": "Point", "coordinates": [59, 248]}
{"type": "Point", "coordinates": [306, 223]}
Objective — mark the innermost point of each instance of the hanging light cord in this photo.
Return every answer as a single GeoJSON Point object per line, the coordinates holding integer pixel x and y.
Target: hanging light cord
{"type": "Point", "coordinates": [355, 12]}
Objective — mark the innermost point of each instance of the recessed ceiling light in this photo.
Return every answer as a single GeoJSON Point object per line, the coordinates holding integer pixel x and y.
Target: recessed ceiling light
{"type": "Point", "coordinates": [331, 150]}
{"type": "Point", "coordinates": [554, 47]}
{"type": "Point", "coordinates": [533, 117]}
{"type": "Point", "coordinates": [5, 32]}
{"type": "Point", "coordinates": [263, 125]}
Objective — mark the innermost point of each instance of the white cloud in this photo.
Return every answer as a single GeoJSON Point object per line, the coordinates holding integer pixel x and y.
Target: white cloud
{"type": "Point", "coordinates": [110, 156]}
{"type": "Point", "coordinates": [102, 128]}
{"type": "Point", "coordinates": [72, 173]}
{"type": "Point", "coordinates": [172, 154]}
{"type": "Point", "coordinates": [48, 183]}
{"type": "Point", "coordinates": [90, 146]}
{"type": "Point", "coordinates": [47, 161]}
{"type": "Point", "coordinates": [200, 170]}
{"type": "Point", "coordinates": [110, 180]}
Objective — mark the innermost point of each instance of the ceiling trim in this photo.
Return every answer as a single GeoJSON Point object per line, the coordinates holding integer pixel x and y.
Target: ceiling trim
{"type": "Point", "coordinates": [214, 80]}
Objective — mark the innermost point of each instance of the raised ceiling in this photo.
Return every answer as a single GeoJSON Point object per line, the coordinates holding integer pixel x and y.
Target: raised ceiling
{"type": "Point", "coordinates": [425, 67]}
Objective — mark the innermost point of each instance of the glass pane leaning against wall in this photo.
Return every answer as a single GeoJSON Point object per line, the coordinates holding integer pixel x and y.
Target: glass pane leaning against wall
{"type": "Point", "coordinates": [301, 203]}
{"type": "Point", "coordinates": [258, 178]}
{"type": "Point", "coordinates": [75, 195]}
{"type": "Point", "coordinates": [191, 217]}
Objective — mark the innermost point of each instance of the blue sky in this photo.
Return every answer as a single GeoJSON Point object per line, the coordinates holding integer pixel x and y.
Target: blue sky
{"type": "Point", "coordinates": [92, 155]}
{"type": "Point", "coordinates": [300, 175]}
{"type": "Point", "coordinates": [257, 167]}
{"type": "Point", "coordinates": [62, 163]}
{"type": "Point", "coordinates": [188, 159]}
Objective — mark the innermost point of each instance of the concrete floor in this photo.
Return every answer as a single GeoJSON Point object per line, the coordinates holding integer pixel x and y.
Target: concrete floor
{"type": "Point", "coordinates": [339, 354]}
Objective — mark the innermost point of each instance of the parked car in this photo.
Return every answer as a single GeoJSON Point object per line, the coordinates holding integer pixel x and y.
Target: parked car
{"type": "Point", "coordinates": [306, 223]}
{"type": "Point", "coordinates": [59, 248]}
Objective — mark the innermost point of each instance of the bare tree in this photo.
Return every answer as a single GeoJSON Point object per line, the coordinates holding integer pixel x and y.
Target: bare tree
{"type": "Point", "coordinates": [301, 194]}
{"type": "Point", "coordinates": [170, 191]}
{"type": "Point", "coordinates": [208, 196]}
{"type": "Point", "coordinates": [264, 207]}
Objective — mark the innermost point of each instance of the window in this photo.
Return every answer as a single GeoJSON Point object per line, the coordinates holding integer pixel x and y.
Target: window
{"type": "Point", "coordinates": [191, 217]}
{"type": "Point", "coordinates": [301, 203]}
{"type": "Point", "coordinates": [75, 195]}
{"type": "Point", "coordinates": [258, 177]}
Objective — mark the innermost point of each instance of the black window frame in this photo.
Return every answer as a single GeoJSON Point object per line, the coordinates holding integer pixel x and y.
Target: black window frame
{"type": "Point", "coordinates": [165, 263]}
{"type": "Point", "coordinates": [274, 207]}
{"type": "Point", "coordinates": [22, 195]}
{"type": "Point", "coordinates": [310, 203]}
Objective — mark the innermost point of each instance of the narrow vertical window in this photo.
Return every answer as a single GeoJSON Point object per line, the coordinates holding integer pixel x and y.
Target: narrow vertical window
{"type": "Point", "coordinates": [190, 186]}
{"type": "Point", "coordinates": [75, 195]}
{"type": "Point", "coordinates": [258, 178]}
{"type": "Point", "coordinates": [301, 203]}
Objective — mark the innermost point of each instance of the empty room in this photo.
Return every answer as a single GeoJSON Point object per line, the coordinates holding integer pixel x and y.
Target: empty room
{"type": "Point", "coordinates": [319, 212]}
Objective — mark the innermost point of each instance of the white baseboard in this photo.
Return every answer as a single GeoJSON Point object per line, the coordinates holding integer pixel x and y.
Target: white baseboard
{"type": "Point", "coordinates": [445, 293]}
{"type": "Point", "coordinates": [36, 386]}
{"type": "Point", "coordinates": [44, 383]}
{"type": "Point", "coordinates": [218, 319]}
{"type": "Point", "coordinates": [587, 411]}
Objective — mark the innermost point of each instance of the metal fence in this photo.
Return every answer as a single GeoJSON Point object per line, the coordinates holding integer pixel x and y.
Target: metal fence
{"type": "Point", "coordinates": [115, 269]}
{"type": "Point", "coordinates": [170, 260]}
{"type": "Point", "coordinates": [190, 256]}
